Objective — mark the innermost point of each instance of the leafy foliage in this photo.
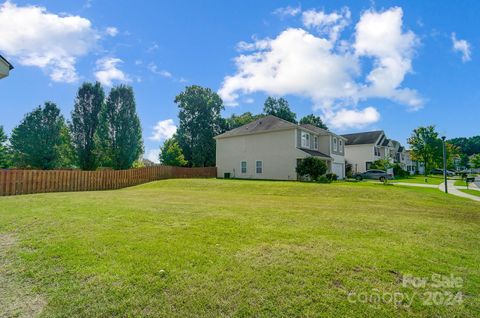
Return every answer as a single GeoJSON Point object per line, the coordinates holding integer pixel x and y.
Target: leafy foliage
{"type": "Point", "coordinates": [311, 167]}
{"type": "Point", "coordinates": [475, 161]}
{"type": "Point", "coordinates": [171, 154]}
{"type": "Point", "coordinates": [381, 164]}
{"type": "Point", "coordinates": [426, 147]}
{"type": "Point", "coordinates": [200, 121]}
{"type": "Point", "coordinates": [42, 140]}
{"type": "Point", "coordinates": [468, 146]}
{"type": "Point", "coordinates": [5, 156]}
{"type": "Point", "coordinates": [236, 121]}
{"type": "Point", "coordinates": [313, 120]}
{"type": "Point", "coordinates": [119, 135]}
{"type": "Point", "coordinates": [85, 120]}
{"type": "Point", "coordinates": [279, 108]}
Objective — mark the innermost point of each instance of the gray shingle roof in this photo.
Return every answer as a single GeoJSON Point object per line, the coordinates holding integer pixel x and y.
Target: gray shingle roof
{"type": "Point", "coordinates": [315, 153]}
{"type": "Point", "coordinates": [10, 66]}
{"type": "Point", "coordinates": [316, 129]}
{"type": "Point", "coordinates": [369, 137]}
{"type": "Point", "coordinates": [264, 124]}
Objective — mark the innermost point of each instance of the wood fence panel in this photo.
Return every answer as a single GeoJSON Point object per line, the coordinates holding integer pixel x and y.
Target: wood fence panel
{"type": "Point", "coordinates": [14, 182]}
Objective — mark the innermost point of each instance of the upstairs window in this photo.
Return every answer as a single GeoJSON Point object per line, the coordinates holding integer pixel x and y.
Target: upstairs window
{"type": "Point", "coordinates": [335, 146]}
{"type": "Point", "coordinates": [377, 151]}
{"type": "Point", "coordinates": [244, 167]}
{"type": "Point", "coordinates": [340, 145]}
{"type": "Point", "coordinates": [315, 142]}
{"type": "Point", "coordinates": [259, 166]}
{"type": "Point", "coordinates": [305, 140]}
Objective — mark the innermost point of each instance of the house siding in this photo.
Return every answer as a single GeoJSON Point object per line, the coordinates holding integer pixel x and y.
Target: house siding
{"type": "Point", "coordinates": [277, 150]}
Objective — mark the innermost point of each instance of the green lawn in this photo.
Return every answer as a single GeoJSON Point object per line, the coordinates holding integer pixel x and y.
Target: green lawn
{"type": "Point", "coordinates": [472, 192]}
{"type": "Point", "coordinates": [432, 179]}
{"type": "Point", "coordinates": [206, 247]}
{"type": "Point", "coordinates": [460, 183]}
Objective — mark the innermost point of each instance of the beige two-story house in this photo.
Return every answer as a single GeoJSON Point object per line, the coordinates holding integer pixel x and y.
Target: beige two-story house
{"type": "Point", "coordinates": [270, 148]}
{"type": "Point", "coordinates": [5, 67]}
{"type": "Point", "coordinates": [362, 149]}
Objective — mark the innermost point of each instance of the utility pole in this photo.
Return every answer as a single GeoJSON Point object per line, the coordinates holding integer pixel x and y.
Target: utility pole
{"type": "Point", "coordinates": [444, 164]}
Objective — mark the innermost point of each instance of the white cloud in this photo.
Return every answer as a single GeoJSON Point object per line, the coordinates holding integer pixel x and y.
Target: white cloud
{"type": "Point", "coordinates": [380, 36]}
{"type": "Point", "coordinates": [330, 24]}
{"type": "Point", "coordinates": [463, 47]}
{"type": "Point", "coordinates": [108, 71]}
{"type": "Point", "coordinates": [352, 118]}
{"type": "Point", "coordinates": [154, 69]}
{"type": "Point", "coordinates": [287, 11]}
{"type": "Point", "coordinates": [164, 129]}
{"type": "Point", "coordinates": [112, 31]}
{"type": "Point", "coordinates": [153, 155]}
{"type": "Point", "coordinates": [35, 37]}
{"type": "Point", "coordinates": [326, 69]}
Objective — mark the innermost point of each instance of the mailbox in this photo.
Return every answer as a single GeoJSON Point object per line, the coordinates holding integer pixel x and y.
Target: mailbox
{"type": "Point", "coordinates": [470, 179]}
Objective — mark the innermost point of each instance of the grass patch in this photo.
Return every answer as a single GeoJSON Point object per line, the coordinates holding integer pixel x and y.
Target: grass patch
{"type": "Point", "coordinates": [472, 192]}
{"type": "Point", "coordinates": [460, 183]}
{"type": "Point", "coordinates": [432, 179]}
{"type": "Point", "coordinates": [209, 247]}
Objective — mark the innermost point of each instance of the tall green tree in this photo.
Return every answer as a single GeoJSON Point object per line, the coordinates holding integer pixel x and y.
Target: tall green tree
{"type": "Point", "coordinates": [475, 161]}
{"type": "Point", "coordinates": [235, 121]}
{"type": "Point", "coordinates": [119, 135]}
{"type": "Point", "coordinates": [468, 146]}
{"type": "Point", "coordinates": [313, 120]}
{"type": "Point", "coordinates": [200, 121]}
{"type": "Point", "coordinates": [4, 150]}
{"type": "Point", "coordinates": [279, 108]}
{"type": "Point", "coordinates": [85, 120]}
{"type": "Point", "coordinates": [426, 147]}
{"type": "Point", "coordinates": [171, 154]}
{"type": "Point", "coordinates": [41, 140]}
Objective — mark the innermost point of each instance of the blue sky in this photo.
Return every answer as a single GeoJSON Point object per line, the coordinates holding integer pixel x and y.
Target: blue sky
{"type": "Point", "coordinates": [361, 65]}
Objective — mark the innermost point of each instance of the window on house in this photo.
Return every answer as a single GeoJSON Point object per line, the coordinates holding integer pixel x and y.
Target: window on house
{"type": "Point", "coordinates": [259, 166]}
{"type": "Point", "coordinates": [315, 142]}
{"type": "Point", "coordinates": [340, 145]}
{"type": "Point", "coordinates": [377, 151]}
{"type": "Point", "coordinates": [244, 167]}
{"type": "Point", "coordinates": [335, 146]}
{"type": "Point", "coordinates": [305, 140]}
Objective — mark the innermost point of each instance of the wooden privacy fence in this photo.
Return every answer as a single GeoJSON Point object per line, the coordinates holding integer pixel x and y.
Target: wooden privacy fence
{"type": "Point", "coordinates": [13, 182]}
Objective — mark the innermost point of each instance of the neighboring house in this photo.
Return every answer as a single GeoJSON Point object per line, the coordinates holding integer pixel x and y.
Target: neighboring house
{"type": "Point", "coordinates": [270, 148]}
{"type": "Point", "coordinates": [413, 166]}
{"type": "Point", "coordinates": [5, 67]}
{"type": "Point", "coordinates": [362, 149]}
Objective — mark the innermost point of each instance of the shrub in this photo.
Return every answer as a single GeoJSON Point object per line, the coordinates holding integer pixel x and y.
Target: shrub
{"type": "Point", "coordinates": [311, 167]}
{"type": "Point", "coordinates": [331, 176]}
{"type": "Point", "coordinates": [399, 172]}
{"type": "Point", "coordinates": [323, 179]}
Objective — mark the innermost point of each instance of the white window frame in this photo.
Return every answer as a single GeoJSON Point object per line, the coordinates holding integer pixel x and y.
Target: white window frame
{"type": "Point", "coordinates": [340, 145]}
{"type": "Point", "coordinates": [241, 166]}
{"type": "Point", "coordinates": [315, 142]}
{"type": "Point", "coordinates": [335, 147]}
{"type": "Point", "coordinates": [261, 166]}
{"type": "Point", "coordinates": [305, 140]}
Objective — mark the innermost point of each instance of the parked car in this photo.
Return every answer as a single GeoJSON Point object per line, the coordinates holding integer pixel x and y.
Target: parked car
{"type": "Point", "coordinates": [440, 172]}
{"type": "Point", "coordinates": [374, 174]}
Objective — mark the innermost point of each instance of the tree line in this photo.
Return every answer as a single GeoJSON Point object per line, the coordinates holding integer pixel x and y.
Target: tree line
{"type": "Point", "coordinates": [427, 148]}
{"type": "Point", "coordinates": [200, 120]}
{"type": "Point", "coordinates": [103, 132]}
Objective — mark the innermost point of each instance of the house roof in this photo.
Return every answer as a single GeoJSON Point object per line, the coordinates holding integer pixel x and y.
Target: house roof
{"type": "Point", "coordinates": [315, 153]}
{"type": "Point", "coordinates": [10, 66]}
{"type": "Point", "coordinates": [264, 124]}
{"type": "Point", "coordinates": [319, 130]}
{"type": "Point", "coordinates": [369, 137]}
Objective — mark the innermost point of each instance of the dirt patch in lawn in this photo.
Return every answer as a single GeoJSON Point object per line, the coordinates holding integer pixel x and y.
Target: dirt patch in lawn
{"type": "Point", "coordinates": [17, 299]}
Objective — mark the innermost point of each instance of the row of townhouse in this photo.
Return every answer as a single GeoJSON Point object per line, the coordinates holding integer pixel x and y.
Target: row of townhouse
{"type": "Point", "coordinates": [270, 148]}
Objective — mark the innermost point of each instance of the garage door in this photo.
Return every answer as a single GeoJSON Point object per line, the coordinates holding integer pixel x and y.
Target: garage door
{"type": "Point", "coordinates": [338, 169]}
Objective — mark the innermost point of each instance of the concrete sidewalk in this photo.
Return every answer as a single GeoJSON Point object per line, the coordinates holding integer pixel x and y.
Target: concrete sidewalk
{"type": "Point", "coordinates": [453, 190]}
{"type": "Point", "coordinates": [421, 185]}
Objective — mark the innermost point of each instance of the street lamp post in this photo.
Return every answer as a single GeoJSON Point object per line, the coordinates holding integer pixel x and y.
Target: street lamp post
{"type": "Point", "coordinates": [444, 164]}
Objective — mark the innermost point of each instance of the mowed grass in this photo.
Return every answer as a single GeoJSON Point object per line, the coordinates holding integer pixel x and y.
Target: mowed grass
{"type": "Point", "coordinates": [432, 179]}
{"type": "Point", "coordinates": [470, 191]}
{"type": "Point", "coordinates": [206, 247]}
